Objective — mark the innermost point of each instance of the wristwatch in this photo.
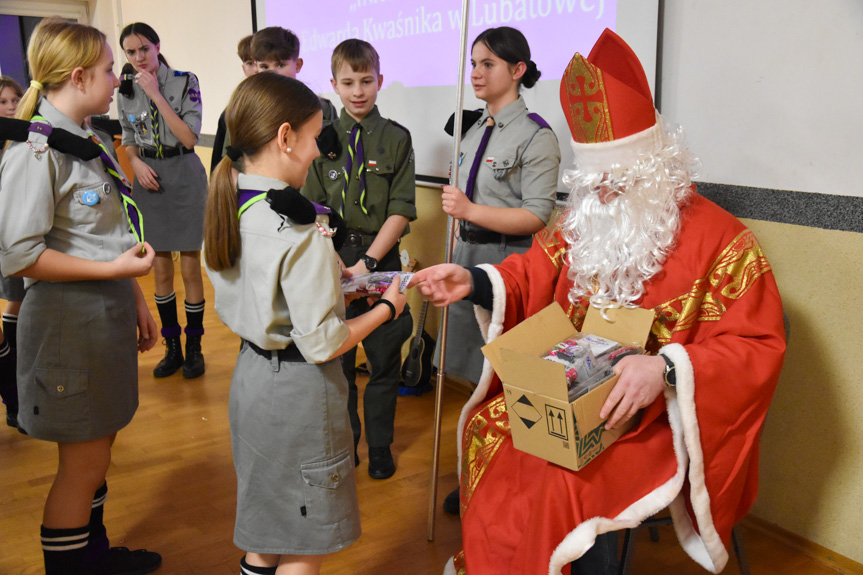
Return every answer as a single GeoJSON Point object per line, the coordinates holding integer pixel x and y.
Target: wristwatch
{"type": "Point", "coordinates": [670, 373]}
{"type": "Point", "coordinates": [371, 263]}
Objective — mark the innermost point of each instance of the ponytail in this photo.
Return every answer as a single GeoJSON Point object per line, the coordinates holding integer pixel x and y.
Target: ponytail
{"type": "Point", "coordinates": [221, 223]}
{"type": "Point", "coordinates": [57, 47]}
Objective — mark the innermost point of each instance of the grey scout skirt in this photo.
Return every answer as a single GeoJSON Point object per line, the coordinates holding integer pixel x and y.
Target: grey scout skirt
{"type": "Point", "coordinates": [174, 215]}
{"type": "Point", "coordinates": [293, 454]}
{"type": "Point", "coordinates": [77, 359]}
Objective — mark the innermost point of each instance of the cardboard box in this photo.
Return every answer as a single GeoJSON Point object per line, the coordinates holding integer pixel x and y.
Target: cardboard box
{"type": "Point", "coordinates": [542, 419]}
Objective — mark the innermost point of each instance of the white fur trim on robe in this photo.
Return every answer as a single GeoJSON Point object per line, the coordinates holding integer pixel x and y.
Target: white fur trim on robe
{"type": "Point", "coordinates": [707, 549]}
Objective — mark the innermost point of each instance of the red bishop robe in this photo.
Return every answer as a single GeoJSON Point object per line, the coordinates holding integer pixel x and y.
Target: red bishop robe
{"type": "Point", "coordinates": [695, 450]}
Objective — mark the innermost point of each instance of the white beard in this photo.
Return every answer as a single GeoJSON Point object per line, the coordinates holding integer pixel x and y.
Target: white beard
{"type": "Point", "coordinates": [617, 247]}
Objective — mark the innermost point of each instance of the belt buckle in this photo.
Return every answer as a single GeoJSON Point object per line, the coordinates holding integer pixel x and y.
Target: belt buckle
{"type": "Point", "coordinates": [354, 239]}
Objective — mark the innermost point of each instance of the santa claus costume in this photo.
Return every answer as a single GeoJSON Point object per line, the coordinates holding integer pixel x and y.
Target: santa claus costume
{"type": "Point", "coordinates": [635, 234]}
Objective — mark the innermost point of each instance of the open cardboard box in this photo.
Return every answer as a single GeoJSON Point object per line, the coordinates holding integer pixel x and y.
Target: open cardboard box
{"type": "Point", "coordinates": [542, 420]}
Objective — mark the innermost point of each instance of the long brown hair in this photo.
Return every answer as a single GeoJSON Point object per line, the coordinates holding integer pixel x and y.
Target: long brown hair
{"type": "Point", "coordinates": [56, 48]}
{"type": "Point", "coordinates": [256, 110]}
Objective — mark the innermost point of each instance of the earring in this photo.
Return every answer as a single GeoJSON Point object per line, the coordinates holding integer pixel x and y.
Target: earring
{"type": "Point", "coordinates": [287, 150]}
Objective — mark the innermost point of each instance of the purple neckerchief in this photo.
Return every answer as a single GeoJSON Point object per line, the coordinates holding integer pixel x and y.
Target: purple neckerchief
{"type": "Point", "coordinates": [133, 214]}
{"type": "Point", "coordinates": [477, 159]}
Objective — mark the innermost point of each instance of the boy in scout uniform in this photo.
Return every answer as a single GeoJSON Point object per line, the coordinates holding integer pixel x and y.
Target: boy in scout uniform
{"type": "Point", "coordinates": [371, 184]}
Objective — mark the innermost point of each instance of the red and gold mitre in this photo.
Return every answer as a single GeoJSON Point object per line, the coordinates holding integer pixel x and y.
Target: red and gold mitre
{"type": "Point", "coordinates": [607, 100]}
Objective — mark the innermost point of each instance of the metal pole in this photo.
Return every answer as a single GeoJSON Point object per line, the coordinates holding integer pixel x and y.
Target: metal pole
{"type": "Point", "coordinates": [450, 237]}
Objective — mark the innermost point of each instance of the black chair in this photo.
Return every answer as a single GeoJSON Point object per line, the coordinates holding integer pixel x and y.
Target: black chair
{"type": "Point", "coordinates": [654, 522]}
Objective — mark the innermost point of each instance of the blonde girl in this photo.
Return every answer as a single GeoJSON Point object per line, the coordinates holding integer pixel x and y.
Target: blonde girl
{"type": "Point", "coordinates": [65, 229]}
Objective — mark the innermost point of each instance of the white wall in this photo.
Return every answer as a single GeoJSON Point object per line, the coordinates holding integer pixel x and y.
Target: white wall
{"type": "Point", "coordinates": [768, 91]}
{"type": "Point", "coordinates": [199, 37]}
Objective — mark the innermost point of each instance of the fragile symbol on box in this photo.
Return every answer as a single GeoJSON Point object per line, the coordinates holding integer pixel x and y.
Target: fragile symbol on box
{"type": "Point", "coordinates": [526, 412]}
{"type": "Point", "coordinates": [556, 419]}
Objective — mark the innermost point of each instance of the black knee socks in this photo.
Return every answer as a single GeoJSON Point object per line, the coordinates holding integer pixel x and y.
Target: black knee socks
{"type": "Point", "coordinates": [246, 569]}
{"type": "Point", "coordinates": [167, 306]}
{"type": "Point", "coordinates": [97, 542]}
{"type": "Point", "coordinates": [8, 385]}
{"type": "Point", "coordinates": [195, 318]}
{"type": "Point", "coordinates": [63, 550]}
{"type": "Point", "coordinates": [10, 328]}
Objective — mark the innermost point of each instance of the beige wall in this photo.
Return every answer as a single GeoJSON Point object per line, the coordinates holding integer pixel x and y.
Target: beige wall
{"type": "Point", "coordinates": [812, 446]}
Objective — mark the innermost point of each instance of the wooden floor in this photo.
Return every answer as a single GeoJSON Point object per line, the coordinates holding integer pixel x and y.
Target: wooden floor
{"type": "Point", "coordinates": [172, 486]}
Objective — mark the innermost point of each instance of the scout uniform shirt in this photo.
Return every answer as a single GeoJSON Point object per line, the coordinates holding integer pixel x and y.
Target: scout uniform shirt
{"type": "Point", "coordinates": [56, 201]}
{"type": "Point", "coordinates": [389, 174]}
{"type": "Point", "coordinates": [286, 285]}
{"type": "Point", "coordinates": [182, 92]}
{"type": "Point", "coordinates": [520, 164]}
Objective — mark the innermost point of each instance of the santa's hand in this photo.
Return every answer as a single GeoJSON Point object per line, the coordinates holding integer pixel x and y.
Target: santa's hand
{"type": "Point", "coordinates": [443, 284]}
{"type": "Point", "coordinates": [455, 203]}
{"type": "Point", "coordinates": [641, 381]}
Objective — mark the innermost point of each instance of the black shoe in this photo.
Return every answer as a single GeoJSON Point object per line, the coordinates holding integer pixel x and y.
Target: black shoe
{"type": "Point", "coordinates": [381, 464]}
{"type": "Point", "coordinates": [451, 503]}
{"type": "Point", "coordinates": [173, 359]}
{"type": "Point", "coordinates": [123, 561]}
{"type": "Point", "coordinates": [194, 365]}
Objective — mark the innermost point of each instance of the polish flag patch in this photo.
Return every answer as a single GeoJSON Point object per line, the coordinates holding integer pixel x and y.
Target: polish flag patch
{"type": "Point", "coordinates": [489, 159]}
{"type": "Point", "coordinates": [373, 163]}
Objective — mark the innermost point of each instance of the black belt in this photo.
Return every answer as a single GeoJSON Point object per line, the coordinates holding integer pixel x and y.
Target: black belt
{"type": "Point", "coordinates": [357, 239]}
{"type": "Point", "coordinates": [166, 152]}
{"type": "Point", "coordinates": [475, 235]}
{"type": "Point", "coordinates": [290, 354]}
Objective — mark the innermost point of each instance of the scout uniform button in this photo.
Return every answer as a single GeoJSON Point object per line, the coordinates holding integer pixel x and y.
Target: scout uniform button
{"type": "Point", "coordinates": [61, 389]}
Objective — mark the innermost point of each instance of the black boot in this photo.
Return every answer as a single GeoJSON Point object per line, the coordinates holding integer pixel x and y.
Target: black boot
{"type": "Point", "coordinates": [173, 359]}
{"type": "Point", "coordinates": [194, 364]}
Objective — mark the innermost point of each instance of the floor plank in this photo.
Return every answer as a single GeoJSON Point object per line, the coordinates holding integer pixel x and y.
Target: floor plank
{"type": "Point", "coordinates": [172, 486]}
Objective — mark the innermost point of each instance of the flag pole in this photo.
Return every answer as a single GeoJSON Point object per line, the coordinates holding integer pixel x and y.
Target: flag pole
{"type": "Point", "coordinates": [450, 237]}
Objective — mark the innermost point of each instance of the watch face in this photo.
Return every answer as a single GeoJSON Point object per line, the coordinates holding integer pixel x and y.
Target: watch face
{"type": "Point", "coordinates": [371, 263]}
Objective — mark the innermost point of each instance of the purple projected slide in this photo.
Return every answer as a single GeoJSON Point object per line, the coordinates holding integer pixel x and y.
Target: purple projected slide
{"type": "Point", "coordinates": [418, 40]}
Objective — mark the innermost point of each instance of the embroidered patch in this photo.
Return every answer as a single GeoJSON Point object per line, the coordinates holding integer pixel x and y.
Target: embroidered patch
{"type": "Point", "coordinates": [194, 95]}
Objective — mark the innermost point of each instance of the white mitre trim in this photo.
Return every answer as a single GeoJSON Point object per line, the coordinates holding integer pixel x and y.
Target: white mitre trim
{"type": "Point", "coordinates": [602, 156]}
{"type": "Point", "coordinates": [491, 326]}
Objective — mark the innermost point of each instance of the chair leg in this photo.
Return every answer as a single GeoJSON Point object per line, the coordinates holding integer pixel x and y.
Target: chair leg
{"type": "Point", "coordinates": [739, 551]}
{"type": "Point", "coordinates": [628, 549]}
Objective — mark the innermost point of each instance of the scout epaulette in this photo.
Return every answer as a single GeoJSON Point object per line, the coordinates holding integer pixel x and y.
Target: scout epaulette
{"type": "Point", "coordinates": [397, 125]}
{"type": "Point", "coordinates": [179, 73]}
{"type": "Point", "coordinates": [57, 138]}
{"type": "Point", "coordinates": [539, 120]}
{"type": "Point", "coordinates": [328, 142]}
{"type": "Point", "coordinates": [468, 117]}
{"type": "Point", "coordinates": [290, 203]}
{"type": "Point", "coordinates": [127, 81]}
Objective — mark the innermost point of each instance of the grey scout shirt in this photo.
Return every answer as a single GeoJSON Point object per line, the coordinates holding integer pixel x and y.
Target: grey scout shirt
{"type": "Point", "coordinates": [390, 181]}
{"type": "Point", "coordinates": [182, 92]}
{"type": "Point", "coordinates": [519, 166]}
{"type": "Point", "coordinates": [59, 202]}
{"type": "Point", "coordinates": [286, 285]}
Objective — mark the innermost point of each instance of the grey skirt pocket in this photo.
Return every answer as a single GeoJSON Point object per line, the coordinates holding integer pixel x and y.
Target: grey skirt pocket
{"type": "Point", "coordinates": [60, 397]}
{"type": "Point", "coordinates": [328, 488]}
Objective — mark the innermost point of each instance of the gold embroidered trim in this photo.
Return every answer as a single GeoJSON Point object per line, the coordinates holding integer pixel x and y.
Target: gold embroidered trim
{"type": "Point", "coordinates": [486, 431]}
{"type": "Point", "coordinates": [553, 246]}
{"type": "Point", "coordinates": [589, 115]}
{"type": "Point", "coordinates": [731, 276]}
